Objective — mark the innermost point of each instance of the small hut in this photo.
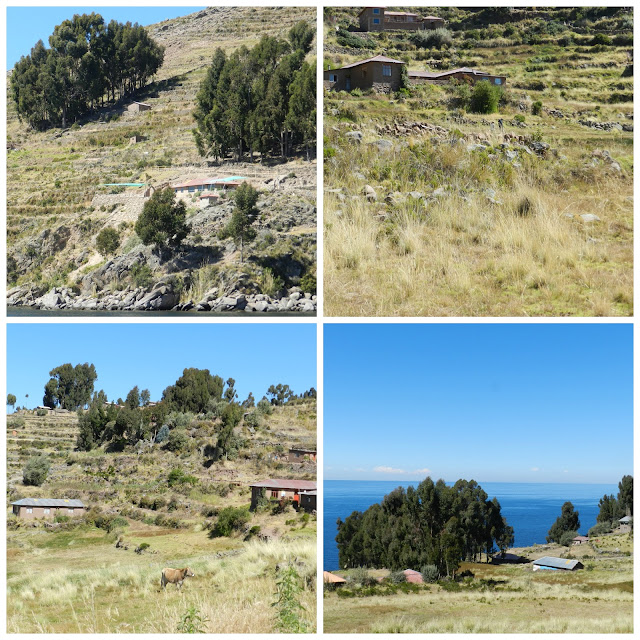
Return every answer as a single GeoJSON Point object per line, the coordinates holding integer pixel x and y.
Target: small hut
{"type": "Point", "coordinates": [136, 107]}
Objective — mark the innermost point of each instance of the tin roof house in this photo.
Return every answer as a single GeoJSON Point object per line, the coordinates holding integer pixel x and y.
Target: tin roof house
{"type": "Point", "coordinates": [554, 564]}
{"type": "Point", "coordinates": [32, 508]}
{"type": "Point", "coordinates": [379, 73]}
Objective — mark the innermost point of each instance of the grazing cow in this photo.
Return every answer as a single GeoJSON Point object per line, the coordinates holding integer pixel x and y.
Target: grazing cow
{"type": "Point", "coordinates": [175, 576]}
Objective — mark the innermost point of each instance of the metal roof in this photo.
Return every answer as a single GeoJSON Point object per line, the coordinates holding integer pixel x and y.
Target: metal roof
{"type": "Point", "coordinates": [48, 502]}
{"type": "Point", "coordinates": [581, 538]}
{"type": "Point", "coordinates": [303, 450]}
{"type": "Point", "coordinates": [313, 492]}
{"type": "Point", "coordinates": [433, 18]}
{"type": "Point", "coordinates": [287, 483]}
{"type": "Point", "coordinates": [626, 519]}
{"type": "Point", "coordinates": [430, 74]}
{"type": "Point", "coordinates": [399, 13]}
{"type": "Point", "coordinates": [332, 578]}
{"type": "Point", "coordinates": [556, 563]}
{"type": "Point", "coordinates": [374, 59]}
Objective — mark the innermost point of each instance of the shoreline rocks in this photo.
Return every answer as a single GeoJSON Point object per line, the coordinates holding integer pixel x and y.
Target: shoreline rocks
{"type": "Point", "coordinates": [161, 297]}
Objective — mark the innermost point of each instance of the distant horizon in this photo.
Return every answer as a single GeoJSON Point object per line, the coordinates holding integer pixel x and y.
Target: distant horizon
{"type": "Point", "coordinates": [405, 481]}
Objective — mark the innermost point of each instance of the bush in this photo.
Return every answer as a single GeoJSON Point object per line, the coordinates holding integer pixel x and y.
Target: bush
{"type": "Point", "coordinates": [362, 577]}
{"type": "Point", "coordinates": [178, 477]}
{"type": "Point", "coordinates": [566, 539]}
{"type": "Point", "coordinates": [163, 220]}
{"type": "Point", "coordinates": [435, 39]}
{"type": "Point", "coordinates": [163, 434]}
{"type": "Point", "coordinates": [485, 97]}
{"type": "Point", "coordinates": [518, 118]}
{"type": "Point", "coordinates": [264, 407]}
{"type": "Point", "coordinates": [308, 283]}
{"type": "Point", "coordinates": [15, 422]}
{"type": "Point", "coordinates": [41, 413]}
{"type": "Point", "coordinates": [177, 441]}
{"type": "Point", "coordinates": [230, 520]}
{"type": "Point", "coordinates": [60, 518]}
{"type": "Point", "coordinates": [397, 577]}
{"type": "Point", "coordinates": [600, 39]}
{"type": "Point", "coordinates": [599, 529]}
{"type": "Point", "coordinates": [141, 275]}
{"type": "Point", "coordinates": [346, 39]}
{"type": "Point", "coordinates": [536, 108]}
{"type": "Point", "coordinates": [430, 573]}
{"type": "Point", "coordinates": [253, 419]}
{"type": "Point", "coordinates": [35, 471]}
{"type": "Point", "coordinates": [108, 241]}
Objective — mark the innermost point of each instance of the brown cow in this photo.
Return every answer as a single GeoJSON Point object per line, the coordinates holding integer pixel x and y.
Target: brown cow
{"type": "Point", "coordinates": [175, 576]}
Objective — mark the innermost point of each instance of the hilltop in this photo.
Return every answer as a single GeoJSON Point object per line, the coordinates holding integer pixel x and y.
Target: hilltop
{"type": "Point", "coordinates": [431, 209]}
{"type": "Point", "coordinates": [57, 203]}
{"type": "Point", "coordinates": [100, 577]}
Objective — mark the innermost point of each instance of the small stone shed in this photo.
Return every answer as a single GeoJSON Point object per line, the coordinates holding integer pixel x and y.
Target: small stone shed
{"type": "Point", "coordinates": [277, 489]}
{"type": "Point", "coordinates": [137, 107]}
{"type": "Point", "coordinates": [379, 73]}
{"type": "Point", "coordinates": [302, 455]}
{"type": "Point", "coordinates": [32, 508]}
{"type": "Point", "coordinates": [465, 74]}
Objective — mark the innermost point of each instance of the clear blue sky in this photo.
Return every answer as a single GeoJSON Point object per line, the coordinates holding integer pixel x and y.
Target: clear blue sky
{"type": "Point", "coordinates": [27, 25]}
{"type": "Point", "coordinates": [492, 402]}
{"type": "Point", "coordinates": [153, 356]}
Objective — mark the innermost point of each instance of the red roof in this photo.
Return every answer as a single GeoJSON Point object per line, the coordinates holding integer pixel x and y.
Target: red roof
{"type": "Point", "coordinates": [199, 182]}
{"type": "Point", "coordinates": [374, 59]}
{"type": "Point", "coordinates": [287, 483]}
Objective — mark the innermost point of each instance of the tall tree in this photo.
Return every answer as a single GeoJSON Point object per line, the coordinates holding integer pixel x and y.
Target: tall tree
{"type": "Point", "coordinates": [625, 495]}
{"type": "Point", "coordinates": [244, 214]}
{"type": "Point", "coordinates": [133, 398]}
{"type": "Point", "coordinates": [568, 520]}
{"type": "Point", "coordinates": [193, 390]}
{"type": "Point", "coordinates": [70, 387]}
{"type": "Point", "coordinates": [163, 221]}
{"type": "Point", "coordinates": [11, 400]}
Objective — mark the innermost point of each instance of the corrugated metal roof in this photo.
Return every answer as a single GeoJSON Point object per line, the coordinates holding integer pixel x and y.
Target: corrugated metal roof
{"type": "Point", "coordinates": [332, 578]}
{"type": "Point", "coordinates": [429, 74]}
{"type": "Point", "coordinates": [374, 59]}
{"type": "Point", "coordinates": [313, 492]}
{"type": "Point", "coordinates": [287, 483]}
{"type": "Point", "coordinates": [433, 18]}
{"type": "Point", "coordinates": [626, 519]}
{"type": "Point", "coordinates": [556, 563]}
{"type": "Point", "coordinates": [399, 13]}
{"type": "Point", "coordinates": [48, 502]}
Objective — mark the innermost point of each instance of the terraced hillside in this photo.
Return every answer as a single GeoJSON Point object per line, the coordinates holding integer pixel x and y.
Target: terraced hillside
{"type": "Point", "coordinates": [56, 204]}
{"type": "Point", "coordinates": [100, 577]}
{"type": "Point", "coordinates": [433, 209]}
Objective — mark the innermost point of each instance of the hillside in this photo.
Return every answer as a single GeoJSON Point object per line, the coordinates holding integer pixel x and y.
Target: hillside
{"type": "Point", "coordinates": [507, 598]}
{"type": "Point", "coordinates": [431, 209]}
{"type": "Point", "coordinates": [57, 203]}
{"type": "Point", "coordinates": [90, 584]}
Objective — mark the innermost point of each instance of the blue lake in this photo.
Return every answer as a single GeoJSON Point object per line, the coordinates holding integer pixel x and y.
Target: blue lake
{"type": "Point", "coordinates": [529, 508]}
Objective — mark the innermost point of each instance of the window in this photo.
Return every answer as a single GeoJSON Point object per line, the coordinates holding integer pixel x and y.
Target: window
{"type": "Point", "coordinates": [386, 70]}
{"type": "Point", "coordinates": [376, 21]}
{"type": "Point", "coordinates": [274, 494]}
{"type": "Point", "coordinates": [29, 510]}
{"type": "Point", "coordinates": [46, 511]}
{"type": "Point", "coordinates": [498, 81]}
{"type": "Point", "coordinates": [376, 11]}
{"type": "Point", "coordinates": [192, 189]}
{"type": "Point", "coordinates": [333, 77]}
{"type": "Point", "coordinates": [70, 511]}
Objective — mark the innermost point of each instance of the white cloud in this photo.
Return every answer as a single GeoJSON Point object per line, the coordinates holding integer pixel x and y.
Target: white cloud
{"type": "Point", "coordinates": [535, 469]}
{"type": "Point", "coordinates": [422, 472]}
{"type": "Point", "coordinates": [388, 470]}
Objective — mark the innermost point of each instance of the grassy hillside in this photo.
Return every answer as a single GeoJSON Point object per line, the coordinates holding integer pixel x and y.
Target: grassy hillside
{"type": "Point", "coordinates": [88, 585]}
{"type": "Point", "coordinates": [502, 598]}
{"type": "Point", "coordinates": [432, 210]}
{"type": "Point", "coordinates": [56, 205]}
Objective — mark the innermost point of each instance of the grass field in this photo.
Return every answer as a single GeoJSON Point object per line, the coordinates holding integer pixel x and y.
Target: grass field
{"type": "Point", "coordinates": [455, 229]}
{"type": "Point", "coordinates": [505, 599]}
{"type": "Point", "coordinates": [80, 583]}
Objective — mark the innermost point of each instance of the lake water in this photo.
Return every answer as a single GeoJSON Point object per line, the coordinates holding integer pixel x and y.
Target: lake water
{"type": "Point", "coordinates": [529, 508]}
{"type": "Point", "coordinates": [26, 312]}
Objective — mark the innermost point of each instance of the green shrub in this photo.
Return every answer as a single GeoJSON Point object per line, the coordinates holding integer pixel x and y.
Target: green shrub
{"type": "Point", "coordinates": [435, 39]}
{"type": "Point", "coordinates": [288, 604]}
{"type": "Point", "coordinates": [536, 108]}
{"type": "Point", "coordinates": [566, 539]}
{"type": "Point", "coordinates": [178, 477]}
{"type": "Point", "coordinates": [177, 440]}
{"type": "Point", "coordinates": [108, 241]}
{"type": "Point", "coordinates": [141, 275]}
{"type": "Point", "coordinates": [253, 419]}
{"type": "Point", "coordinates": [308, 283]}
{"type": "Point", "coordinates": [600, 39]}
{"type": "Point", "coordinates": [361, 576]}
{"type": "Point", "coordinates": [265, 407]}
{"type": "Point", "coordinates": [397, 577]}
{"type": "Point", "coordinates": [485, 97]}
{"type": "Point", "coordinates": [192, 621]}
{"type": "Point", "coordinates": [35, 471]}
{"type": "Point", "coordinates": [599, 529]}
{"type": "Point", "coordinates": [230, 520]}
{"type": "Point", "coordinates": [430, 573]}
{"type": "Point", "coordinates": [61, 518]}
{"type": "Point", "coordinates": [518, 118]}
{"type": "Point", "coordinates": [163, 434]}
{"type": "Point", "coordinates": [41, 413]}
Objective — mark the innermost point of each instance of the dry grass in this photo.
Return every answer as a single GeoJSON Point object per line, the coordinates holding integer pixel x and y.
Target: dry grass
{"type": "Point", "coordinates": [70, 594]}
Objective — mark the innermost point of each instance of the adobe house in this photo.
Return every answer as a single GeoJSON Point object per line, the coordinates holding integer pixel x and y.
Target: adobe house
{"type": "Point", "coordinates": [381, 19]}
{"type": "Point", "coordinates": [379, 73]}
{"type": "Point", "coordinates": [136, 107]}
{"type": "Point", "coordinates": [32, 508]}
{"type": "Point", "coordinates": [302, 455]}
{"type": "Point", "coordinates": [309, 500]}
{"type": "Point", "coordinates": [277, 489]}
{"type": "Point", "coordinates": [462, 74]}
{"type": "Point", "coordinates": [208, 184]}
{"type": "Point", "coordinates": [580, 540]}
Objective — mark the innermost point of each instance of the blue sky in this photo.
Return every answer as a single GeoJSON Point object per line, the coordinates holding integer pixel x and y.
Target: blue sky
{"type": "Point", "coordinates": [27, 25]}
{"type": "Point", "coordinates": [492, 402]}
{"type": "Point", "coordinates": [153, 356]}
